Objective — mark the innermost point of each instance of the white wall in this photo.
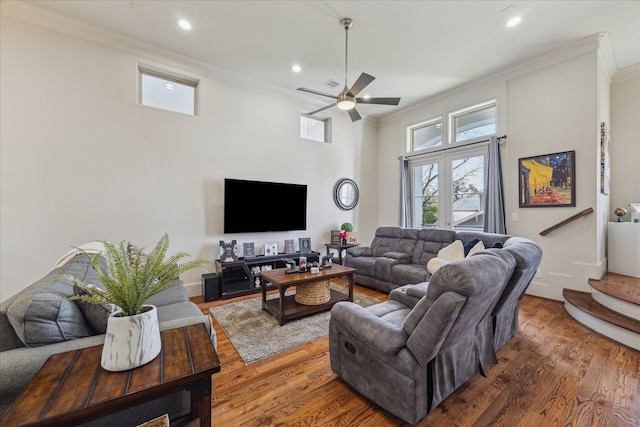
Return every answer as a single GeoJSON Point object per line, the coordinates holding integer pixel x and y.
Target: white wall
{"type": "Point", "coordinates": [548, 105]}
{"type": "Point", "coordinates": [82, 160]}
{"type": "Point", "coordinates": [625, 139]}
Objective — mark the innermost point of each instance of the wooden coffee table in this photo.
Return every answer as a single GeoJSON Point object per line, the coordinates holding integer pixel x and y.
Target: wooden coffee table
{"type": "Point", "coordinates": [72, 388]}
{"type": "Point", "coordinates": [285, 307]}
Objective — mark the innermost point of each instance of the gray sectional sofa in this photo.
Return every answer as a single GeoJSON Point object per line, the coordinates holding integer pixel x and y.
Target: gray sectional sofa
{"type": "Point", "coordinates": [398, 256]}
{"type": "Point", "coordinates": [39, 321]}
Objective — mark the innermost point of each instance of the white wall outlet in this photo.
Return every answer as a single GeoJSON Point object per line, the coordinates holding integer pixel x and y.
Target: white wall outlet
{"type": "Point", "coordinates": [514, 217]}
{"type": "Point", "coordinates": [539, 273]}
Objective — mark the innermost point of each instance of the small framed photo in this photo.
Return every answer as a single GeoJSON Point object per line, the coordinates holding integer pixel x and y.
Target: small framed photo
{"type": "Point", "coordinates": [335, 237]}
{"type": "Point", "coordinates": [305, 245]}
{"type": "Point", "coordinates": [548, 180]}
{"type": "Point", "coordinates": [228, 251]}
{"type": "Point", "coordinates": [270, 249]}
{"type": "Point", "coordinates": [289, 246]}
{"type": "Point", "coordinates": [249, 249]}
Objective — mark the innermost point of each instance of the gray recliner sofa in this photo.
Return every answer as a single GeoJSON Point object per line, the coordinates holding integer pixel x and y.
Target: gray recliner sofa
{"type": "Point", "coordinates": [503, 322]}
{"type": "Point", "coordinates": [398, 256]}
{"type": "Point", "coordinates": [407, 359]}
{"type": "Point", "coordinates": [39, 321]}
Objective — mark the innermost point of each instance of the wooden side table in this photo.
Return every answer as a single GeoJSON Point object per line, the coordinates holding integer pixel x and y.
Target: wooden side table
{"type": "Point", "coordinates": [72, 388]}
{"type": "Point", "coordinates": [339, 248]}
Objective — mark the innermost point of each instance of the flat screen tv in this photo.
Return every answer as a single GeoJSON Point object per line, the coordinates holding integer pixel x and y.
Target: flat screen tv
{"type": "Point", "coordinates": [258, 206]}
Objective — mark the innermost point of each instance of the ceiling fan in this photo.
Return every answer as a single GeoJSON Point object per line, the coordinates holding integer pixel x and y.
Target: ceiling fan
{"type": "Point", "coordinates": [346, 100]}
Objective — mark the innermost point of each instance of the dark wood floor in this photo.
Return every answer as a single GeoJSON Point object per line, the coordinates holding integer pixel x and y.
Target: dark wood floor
{"type": "Point", "coordinates": [555, 372]}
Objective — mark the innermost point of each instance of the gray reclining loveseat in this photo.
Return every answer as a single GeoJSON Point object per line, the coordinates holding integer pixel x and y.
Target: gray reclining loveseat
{"type": "Point", "coordinates": [408, 359]}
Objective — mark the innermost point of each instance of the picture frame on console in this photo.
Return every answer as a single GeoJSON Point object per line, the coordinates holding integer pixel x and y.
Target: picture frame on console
{"type": "Point", "coordinates": [270, 249]}
{"type": "Point", "coordinates": [228, 251]}
{"type": "Point", "coordinates": [289, 246]}
{"type": "Point", "coordinates": [305, 245]}
{"type": "Point", "coordinates": [249, 249]}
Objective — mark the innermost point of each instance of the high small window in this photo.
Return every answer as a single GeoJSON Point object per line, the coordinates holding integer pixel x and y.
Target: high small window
{"type": "Point", "coordinates": [425, 135]}
{"type": "Point", "coordinates": [473, 122]}
{"type": "Point", "coordinates": [167, 91]}
{"type": "Point", "coordinates": [314, 129]}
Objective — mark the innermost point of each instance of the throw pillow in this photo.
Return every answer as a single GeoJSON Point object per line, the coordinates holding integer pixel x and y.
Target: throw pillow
{"type": "Point", "coordinates": [476, 248]}
{"type": "Point", "coordinates": [453, 252]}
{"type": "Point", "coordinates": [46, 317]}
{"type": "Point", "coordinates": [470, 244]}
{"type": "Point", "coordinates": [96, 314]}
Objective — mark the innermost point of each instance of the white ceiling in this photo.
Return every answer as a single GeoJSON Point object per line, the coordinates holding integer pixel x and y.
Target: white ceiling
{"type": "Point", "coordinates": [415, 49]}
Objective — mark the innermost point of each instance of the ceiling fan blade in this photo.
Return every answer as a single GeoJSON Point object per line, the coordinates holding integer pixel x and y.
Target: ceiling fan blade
{"type": "Point", "coordinates": [315, 92]}
{"type": "Point", "coordinates": [320, 109]}
{"type": "Point", "coordinates": [353, 113]}
{"type": "Point", "coordinates": [362, 82]}
{"type": "Point", "coordinates": [383, 101]}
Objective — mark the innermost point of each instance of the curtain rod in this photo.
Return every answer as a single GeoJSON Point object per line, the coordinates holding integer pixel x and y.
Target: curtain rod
{"type": "Point", "coordinates": [451, 148]}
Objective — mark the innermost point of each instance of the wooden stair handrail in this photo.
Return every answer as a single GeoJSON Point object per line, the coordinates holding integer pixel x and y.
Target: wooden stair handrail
{"type": "Point", "coordinates": [567, 221]}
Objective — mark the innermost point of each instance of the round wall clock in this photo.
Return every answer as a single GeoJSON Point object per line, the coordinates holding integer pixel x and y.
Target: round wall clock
{"type": "Point", "coordinates": [346, 194]}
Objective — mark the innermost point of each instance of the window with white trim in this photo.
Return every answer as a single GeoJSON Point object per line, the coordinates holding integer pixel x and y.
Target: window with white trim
{"type": "Point", "coordinates": [447, 189]}
{"type": "Point", "coordinates": [425, 135]}
{"type": "Point", "coordinates": [315, 129]}
{"type": "Point", "coordinates": [473, 122]}
{"type": "Point", "coordinates": [167, 91]}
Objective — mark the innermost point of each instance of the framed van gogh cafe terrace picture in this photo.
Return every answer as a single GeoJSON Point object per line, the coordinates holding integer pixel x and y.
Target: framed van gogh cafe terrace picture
{"type": "Point", "coordinates": [548, 180]}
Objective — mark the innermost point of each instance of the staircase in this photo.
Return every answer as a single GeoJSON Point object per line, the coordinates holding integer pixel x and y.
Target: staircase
{"type": "Point", "coordinates": [612, 308]}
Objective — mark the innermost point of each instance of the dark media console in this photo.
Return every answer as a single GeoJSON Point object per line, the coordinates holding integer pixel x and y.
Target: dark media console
{"type": "Point", "coordinates": [242, 277]}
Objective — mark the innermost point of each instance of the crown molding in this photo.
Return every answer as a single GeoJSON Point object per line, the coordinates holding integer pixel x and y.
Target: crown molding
{"type": "Point", "coordinates": [144, 52]}
{"type": "Point", "coordinates": [580, 47]}
{"type": "Point", "coordinates": [626, 74]}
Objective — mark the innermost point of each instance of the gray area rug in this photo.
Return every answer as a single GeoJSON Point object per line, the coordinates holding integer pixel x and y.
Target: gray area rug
{"type": "Point", "coordinates": [256, 334]}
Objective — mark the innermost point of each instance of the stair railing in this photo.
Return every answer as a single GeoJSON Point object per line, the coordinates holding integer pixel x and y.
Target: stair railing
{"type": "Point", "coordinates": [567, 221]}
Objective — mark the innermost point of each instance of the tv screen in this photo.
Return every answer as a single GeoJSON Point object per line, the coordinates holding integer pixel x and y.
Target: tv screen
{"type": "Point", "coordinates": [256, 206]}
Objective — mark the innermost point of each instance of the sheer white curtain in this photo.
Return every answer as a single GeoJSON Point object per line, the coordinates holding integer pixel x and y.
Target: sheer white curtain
{"type": "Point", "coordinates": [494, 216]}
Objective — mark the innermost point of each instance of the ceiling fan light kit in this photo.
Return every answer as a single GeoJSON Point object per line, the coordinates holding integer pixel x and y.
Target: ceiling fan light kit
{"type": "Point", "coordinates": [346, 100]}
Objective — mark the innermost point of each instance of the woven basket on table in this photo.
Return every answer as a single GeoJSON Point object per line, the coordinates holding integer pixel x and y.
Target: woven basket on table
{"type": "Point", "coordinates": [315, 293]}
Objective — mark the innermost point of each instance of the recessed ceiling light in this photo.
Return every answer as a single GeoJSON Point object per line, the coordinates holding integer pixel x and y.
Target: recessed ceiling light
{"type": "Point", "coordinates": [184, 24]}
{"type": "Point", "coordinates": [367, 96]}
{"type": "Point", "coordinates": [514, 21]}
{"type": "Point", "coordinates": [296, 68]}
{"type": "Point", "coordinates": [169, 86]}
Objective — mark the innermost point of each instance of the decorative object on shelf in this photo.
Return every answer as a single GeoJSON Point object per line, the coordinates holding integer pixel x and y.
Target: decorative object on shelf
{"type": "Point", "coordinates": [289, 246]}
{"type": "Point", "coordinates": [228, 251]}
{"type": "Point", "coordinates": [635, 212]}
{"type": "Point", "coordinates": [346, 194]}
{"type": "Point", "coordinates": [619, 212]}
{"type": "Point", "coordinates": [347, 228]}
{"type": "Point", "coordinates": [132, 277]}
{"type": "Point", "coordinates": [605, 168]}
{"type": "Point", "coordinates": [290, 263]}
{"type": "Point", "coordinates": [270, 249]}
{"type": "Point", "coordinates": [249, 249]}
{"type": "Point", "coordinates": [548, 180]}
{"type": "Point", "coordinates": [352, 238]}
{"type": "Point", "coordinates": [305, 245]}
{"type": "Point", "coordinates": [335, 237]}
{"type": "Point", "coordinates": [303, 263]}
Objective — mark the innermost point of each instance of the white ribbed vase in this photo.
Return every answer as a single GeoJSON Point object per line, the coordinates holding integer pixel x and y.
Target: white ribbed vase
{"type": "Point", "coordinates": [131, 341]}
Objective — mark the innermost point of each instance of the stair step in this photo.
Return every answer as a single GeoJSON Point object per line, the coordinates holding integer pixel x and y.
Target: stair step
{"type": "Point", "coordinates": [585, 302]}
{"type": "Point", "coordinates": [623, 287]}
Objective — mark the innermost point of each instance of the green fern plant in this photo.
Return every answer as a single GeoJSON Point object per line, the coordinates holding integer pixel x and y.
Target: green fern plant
{"type": "Point", "coordinates": [132, 277]}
